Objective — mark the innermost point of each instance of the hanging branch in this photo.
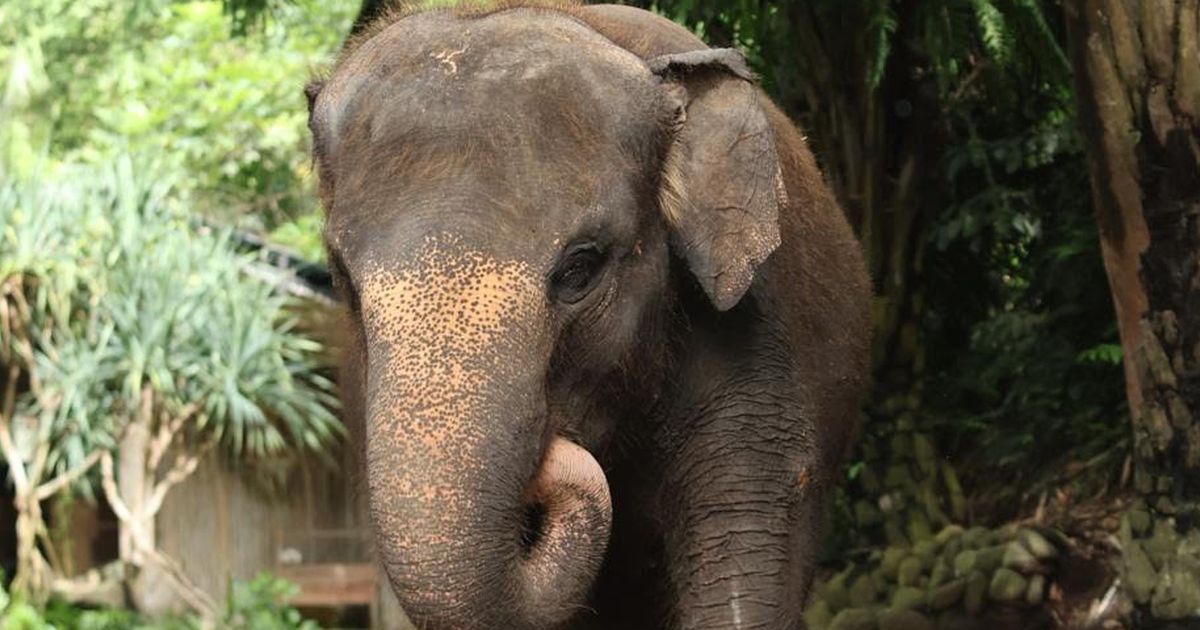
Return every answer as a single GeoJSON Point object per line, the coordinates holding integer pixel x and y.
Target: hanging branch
{"type": "Point", "coordinates": [51, 555]}
{"type": "Point", "coordinates": [166, 434]}
{"type": "Point", "coordinates": [184, 466]}
{"type": "Point", "coordinates": [52, 487]}
{"type": "Point", "coordinates": [108, 482]}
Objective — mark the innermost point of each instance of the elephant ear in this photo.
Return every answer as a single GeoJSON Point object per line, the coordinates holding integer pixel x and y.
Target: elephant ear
{"type": "Point", "coordinates": [722, 187]}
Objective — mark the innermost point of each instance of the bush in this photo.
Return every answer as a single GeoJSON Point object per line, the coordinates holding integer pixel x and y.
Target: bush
{"type": "Point", "coordinates": [96, 78]}
{"type": "Point", "coordinates": [260, 604]}
{"type": "Point", "coordinates": [126, 296]}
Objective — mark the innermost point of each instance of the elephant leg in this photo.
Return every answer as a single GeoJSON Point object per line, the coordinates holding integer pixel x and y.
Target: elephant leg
{"type": "Point", "coordinates": [744, 498]}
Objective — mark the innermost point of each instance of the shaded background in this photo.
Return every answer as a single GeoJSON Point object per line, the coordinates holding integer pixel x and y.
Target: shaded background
{"type": "Point", "coordinates": [952, 132]}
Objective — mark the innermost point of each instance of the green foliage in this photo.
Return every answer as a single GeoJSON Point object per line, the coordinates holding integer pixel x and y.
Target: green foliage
{"type": "Point", "coordinates": [1015, 291]}
{"type": "Point", "coordinates": [261, 604]}
{"type": "Point", "coordinates": [62, 615]}
{"type": "Point", "coordinates": [113, 303]}
{"type": "Point", "coordinates": [1019, 385]}
{"type": "Point", "coordinates": [1104, 353]}
{"type": "Point", "coordinates": [91, 79]}
{"type": "Point", "coordinates": [993, 32]}
{"type": "Point", "coordinates": [126, 298]}
{"type": "Point", "coordinates": [1010, 327]}
{"type": "Point", "coordinates": [302, 235]}
{"type": "Point", "coordinates": [18, 615]}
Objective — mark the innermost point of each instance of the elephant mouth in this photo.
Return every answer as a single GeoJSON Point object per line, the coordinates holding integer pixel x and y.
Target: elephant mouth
{"type": "Point", "coordinates": [567, 518]}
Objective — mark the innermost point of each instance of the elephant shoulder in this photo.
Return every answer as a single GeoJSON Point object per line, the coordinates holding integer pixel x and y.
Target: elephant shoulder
{"type": "Point", "coordinates": [641, 32]}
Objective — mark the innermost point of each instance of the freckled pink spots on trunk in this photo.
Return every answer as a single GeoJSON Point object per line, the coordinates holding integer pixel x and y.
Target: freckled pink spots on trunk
{"type": "Point", "coordinates": [455, 438]}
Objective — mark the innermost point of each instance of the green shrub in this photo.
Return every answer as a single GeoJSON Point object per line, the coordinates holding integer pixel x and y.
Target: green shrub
{"type": "Point", "coordinates": [127, 296]}
{"type": "Point", "coordinates": [261, 604]}
{"type": "Point", "coordinates": [95, 78]}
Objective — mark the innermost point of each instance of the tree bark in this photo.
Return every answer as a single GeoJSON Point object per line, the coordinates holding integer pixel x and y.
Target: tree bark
{"type": "Point", "coordinates": [137, 533]}
{"type": "Point", "coordinates": [135, 492]}
{"type": "Point", "coordinates": [31, 577]}
{"type": "Point", "coordinates": [1137, 65]}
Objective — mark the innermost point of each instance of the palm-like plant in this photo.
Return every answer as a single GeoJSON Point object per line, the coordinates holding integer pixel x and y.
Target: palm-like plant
{"type": "Point", "coordinates": [134, 341]}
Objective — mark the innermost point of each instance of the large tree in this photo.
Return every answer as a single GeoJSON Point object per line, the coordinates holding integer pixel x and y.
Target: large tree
{"type": "Point", "coordinates": [1137, 67]}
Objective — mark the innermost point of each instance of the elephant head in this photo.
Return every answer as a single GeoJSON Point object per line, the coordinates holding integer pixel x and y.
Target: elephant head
{"type": "Point", "coordinates": [504, 193]}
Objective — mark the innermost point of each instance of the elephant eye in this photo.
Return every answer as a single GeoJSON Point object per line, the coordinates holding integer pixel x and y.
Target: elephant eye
{"type": "Point", "coordinates": [576, 273]}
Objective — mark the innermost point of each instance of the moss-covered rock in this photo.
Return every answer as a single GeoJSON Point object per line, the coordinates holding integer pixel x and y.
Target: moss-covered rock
{"type": "Point", "coordinates": [919, 528]}
{"type": "Point", "coordinates": [1036, 591]}
{"type": "Point", "coordinates": [908, 597]}
{"type": "Point", "coordinates": [1007, 586]}
{"type": "Point", "coordinates": [1140, 575]}
{"type": "Point", "coordinates": [953, 571]}
{"type": "Point", "coordinates": [925, 454]}
{"type": "Point", "coordinates": [855, 619]}
{"type": "Point", "coordinates": [927, 552]}
{"type": "Point", "coordinates": [818, 616]}
{"type": "Point", "coordinates": [1162, 544]}
{"type": "Point", "coordinates": [909, 572]}
{"type": "Point", "coordinates": [864, 591]}
{"type": "Point", "coordinates": [955, 620]}
{"type": "Point", "coordinates": [947, 594]}
{"type": "Point", "coordinates": [1176, 592]}
{"type": "Point", "coordinates": [940, 573]}
{"type": "Point", "coordinates": [1037, 544]}
{"type": "Point", "coordinates": [974, 593]}
{"type": "Point", "coordinates": [964, 562]}
{"type": "Point", "coordinates": [1018, 558]}
{"type": "Point", "coordinates": [951, 549]}
{"type": "Point", "coordinates": [1139, 519]}
{"type": "Point", "coordinates": [835, 592]}
{"type": "Point", "coordinates": [989, 559]}
{"type": "Point", "coordinates": [904, 620]}
{"type": "Point", "coordinates": [973, 537]}
{"type": "Point", "coordinates": [889, 564]}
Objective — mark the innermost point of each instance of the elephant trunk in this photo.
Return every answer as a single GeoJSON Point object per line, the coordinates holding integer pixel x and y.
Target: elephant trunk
{"type": "Point", "coordinates": [483, 517]}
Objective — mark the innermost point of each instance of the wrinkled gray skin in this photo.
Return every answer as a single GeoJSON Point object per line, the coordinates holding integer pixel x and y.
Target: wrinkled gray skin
{"type": "Point", "coordinates": [608, 328]}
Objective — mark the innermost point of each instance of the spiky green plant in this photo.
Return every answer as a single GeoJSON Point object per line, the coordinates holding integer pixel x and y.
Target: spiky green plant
{"type": "Point", "coordinates": [127, 334]}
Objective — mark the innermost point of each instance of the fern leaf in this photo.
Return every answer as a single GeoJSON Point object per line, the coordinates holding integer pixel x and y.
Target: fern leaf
{"type": "Point", "coordinates": [993, 31]}
{"type": "Point", "coordinates": [880, 29]}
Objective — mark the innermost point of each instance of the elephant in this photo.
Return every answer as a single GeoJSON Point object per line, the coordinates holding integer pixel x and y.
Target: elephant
{"type": "Point", "coordinates": [607, 328]}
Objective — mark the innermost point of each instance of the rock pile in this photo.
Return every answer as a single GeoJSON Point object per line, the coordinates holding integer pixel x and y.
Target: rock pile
{"type": "Point", "coordinates": [945, 581]}
{"type": "Point", "coordinates": [1161, 566]}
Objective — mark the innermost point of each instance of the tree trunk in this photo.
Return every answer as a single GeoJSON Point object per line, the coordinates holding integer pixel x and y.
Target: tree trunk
{"type": "Point", "coordinates": [157, 584]}
{"type": "Point", "coordinates": [1137, 65]}
{"type": "Point", "coordinates": [137, 533]}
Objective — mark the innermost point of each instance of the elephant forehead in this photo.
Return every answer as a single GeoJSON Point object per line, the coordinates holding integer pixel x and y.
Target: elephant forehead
{"type": "Point", "coordinates": [446, 329]}
{"type": "Point", "coordinates": [515, 81]}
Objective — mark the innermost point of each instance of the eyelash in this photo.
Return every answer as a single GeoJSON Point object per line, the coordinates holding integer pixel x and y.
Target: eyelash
{"type": "Point", "coordinates": [578, 272]}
